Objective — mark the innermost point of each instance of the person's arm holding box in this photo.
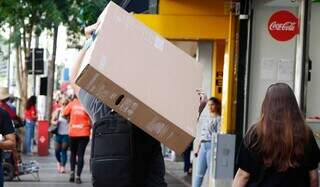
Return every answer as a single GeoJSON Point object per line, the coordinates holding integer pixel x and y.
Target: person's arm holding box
{"type": "Point", "coordinates": [77, 64]}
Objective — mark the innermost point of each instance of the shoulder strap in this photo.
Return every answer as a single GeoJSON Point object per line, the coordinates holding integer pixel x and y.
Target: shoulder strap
{"type": "Point", "coordinates": [59, 112]}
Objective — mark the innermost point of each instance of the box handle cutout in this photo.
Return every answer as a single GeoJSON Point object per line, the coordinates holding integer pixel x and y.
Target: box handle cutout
{"type": "Point", "coordinates": [118, 101]}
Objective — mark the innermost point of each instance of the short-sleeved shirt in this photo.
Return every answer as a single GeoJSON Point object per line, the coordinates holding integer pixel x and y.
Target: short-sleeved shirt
{"type": "Point", "coordinates": [261, 176]}
{"type": "Point", "coordinates": [63, 127]}
{"type": "Point", "coordinates": [96, 109]}
{"type": "Point", "coordinates": [80, 124]}
{"type": "Point", "coordinates": [210, 125]}
{"type": "Point", "coordinates": [31, 113]}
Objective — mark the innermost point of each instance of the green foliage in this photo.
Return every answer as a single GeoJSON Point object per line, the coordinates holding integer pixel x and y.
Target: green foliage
{"type": "Point", "coordinates": [36, 15]}
{"type": "Point", "coordinates": [82, 13]}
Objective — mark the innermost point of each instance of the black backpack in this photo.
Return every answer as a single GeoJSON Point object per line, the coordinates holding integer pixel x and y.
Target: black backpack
{"type": "Point", "coordinates": [111, 152]}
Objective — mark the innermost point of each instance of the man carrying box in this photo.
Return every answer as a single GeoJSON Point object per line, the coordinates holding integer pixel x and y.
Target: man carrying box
{"type": "Point", "coordinates": [140, 162]}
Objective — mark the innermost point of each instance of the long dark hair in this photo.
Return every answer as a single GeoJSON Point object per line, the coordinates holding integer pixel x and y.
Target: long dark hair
{"type": "Point", "coordinates": [216, 102]}
{"type": "Point", "coordinates": [280, 135]}
{"type": "Point", "coordinates": [32, 101]}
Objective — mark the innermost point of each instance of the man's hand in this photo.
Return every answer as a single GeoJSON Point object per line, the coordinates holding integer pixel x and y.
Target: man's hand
{"type": "Point", "coordinates": [9, 142]}
{"type": "Point", "coordinates": [203, 95]}
{"type": "Point", "coordinates": [203, 100]}
{"type": "Point", "coordinates": [90, 29]}
{"type": "Point", "coordinates": [196, 153]}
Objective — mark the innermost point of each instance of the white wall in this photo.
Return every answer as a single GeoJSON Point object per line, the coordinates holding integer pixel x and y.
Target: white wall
{"type": "Point", "coordinates": [265, 47]}
{"type": "Point", "coordinates": [313, 95]}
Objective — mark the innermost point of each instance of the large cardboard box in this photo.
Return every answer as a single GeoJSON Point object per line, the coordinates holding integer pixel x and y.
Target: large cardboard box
{"type": "Point", "coordinates": [144, 78]}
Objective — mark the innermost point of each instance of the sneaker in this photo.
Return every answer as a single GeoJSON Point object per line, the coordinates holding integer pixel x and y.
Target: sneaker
{"type": "Point", "coordinates": [78, 180]}
{"type": "Point", "coordinates": [71, 179]}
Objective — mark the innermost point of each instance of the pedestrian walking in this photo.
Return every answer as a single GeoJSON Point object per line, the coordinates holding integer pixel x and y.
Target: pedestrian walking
{"type": "Point", "coordinates": [141, 162]}
{"type": "Point", "coordinates": [30, 116]}
{"type": "Point", "coordinates": [210, 126]}
{"type": "Point", "coordinates": [61, 137]}
{"type": "Point", "coordinates": [79, 133]}
{"type": "Point", "coordinates": [186, 159]}
{"type": "Point", "coordinates": [7, 141]}
{"type": "Point", "coordinates": [280, 149]}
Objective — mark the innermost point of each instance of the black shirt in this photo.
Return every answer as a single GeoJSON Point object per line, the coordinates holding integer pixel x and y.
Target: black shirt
{"type": "Point", "coordinates": [6, 126]}
{"type": "Point", "coordinates": [261, 176]}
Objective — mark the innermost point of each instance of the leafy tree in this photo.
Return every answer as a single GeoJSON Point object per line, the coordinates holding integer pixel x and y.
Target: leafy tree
{"type": "Point", "coordinates": [20, 17]}
{"type": "Point", "coordinates": [29, 18]}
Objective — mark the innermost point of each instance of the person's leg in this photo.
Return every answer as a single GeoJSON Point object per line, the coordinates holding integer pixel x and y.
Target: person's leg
{"type": "Point", "coordinates": [83, 142]}
{"type": "Point", "coordinates": [201, 167]}
{"type": "Point", "coordinates": [156, 170]}
{"type": "Point", "coordinates": [73, 157]}
{"type": "Point", "coordinates": [27, 137]}
{"type": "Point", "coordinates": [186, 159]}
{"type": "Point", "coordinates": [209, 155]}
{"type": "Point", "coordinates": [64, 156]}
{"type": "Point", "coordinates": [32, 129]}
{"type": "Point", "coordinates": [148, 163]}
{"type": "Point", "coordinates": [58, 151]}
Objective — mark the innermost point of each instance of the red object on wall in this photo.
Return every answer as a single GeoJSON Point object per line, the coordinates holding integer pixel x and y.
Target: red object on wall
{"type": "Point", "coordinates": [283, 25]}
{"type": "Point", "coordinates": [43, 138]}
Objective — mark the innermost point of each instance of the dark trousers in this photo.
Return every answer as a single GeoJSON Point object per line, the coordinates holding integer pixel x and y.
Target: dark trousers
{"type": "Point", "coordinates": [78, 148]}
{"type": "Point", "coordinates": [186, 158]}
{"type": "Point", "coordinates": [148, 163]}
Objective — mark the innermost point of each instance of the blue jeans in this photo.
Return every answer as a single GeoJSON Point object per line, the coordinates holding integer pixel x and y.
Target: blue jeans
{"type": "Point", "coordinates": [61, 146]}
{"type": "Point", "coordinates": [204, 160]}
{"type": "Point", "coordinates": [28, 137]}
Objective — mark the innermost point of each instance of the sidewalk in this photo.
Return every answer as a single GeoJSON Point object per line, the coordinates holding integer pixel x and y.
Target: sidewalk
{"type": "Point", "coordinates": [50, 178]}
{"type": "Point", "coordinates": [175, 169]}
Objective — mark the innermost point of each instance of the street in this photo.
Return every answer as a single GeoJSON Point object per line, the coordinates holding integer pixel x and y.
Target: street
{"type": "Point", "coordinates": [50, 178]}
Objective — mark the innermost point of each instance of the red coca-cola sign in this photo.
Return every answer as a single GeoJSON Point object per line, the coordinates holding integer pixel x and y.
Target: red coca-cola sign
{"type": "Point", "coordinates": [283, 25]}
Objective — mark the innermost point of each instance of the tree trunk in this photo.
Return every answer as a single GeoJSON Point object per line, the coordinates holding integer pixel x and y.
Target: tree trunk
{"type": "Point", "coordinates": [21, 78]}
{"type": "Point", "coordinates": [51, 70]}
{"type": "Point", "coordinates": [18, 75]}
{"type": "Point", "coordinates": [23, 72]}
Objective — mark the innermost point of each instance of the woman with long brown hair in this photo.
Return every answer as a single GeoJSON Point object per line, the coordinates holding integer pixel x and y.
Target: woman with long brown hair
{"type": "Point", "coordinates": [30, 116]}
{"type": "Point", "coordinates": [280, 150]}
{"type": "Point", "coordinates": [209, 127]}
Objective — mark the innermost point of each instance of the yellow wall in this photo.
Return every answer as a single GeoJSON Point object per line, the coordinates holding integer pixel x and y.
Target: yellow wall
{"type": "Point", "coordinates": [187, 27]}
{"type": "Point", "coordinates": [194, 7]}
{"type": "Point", "coordinates": [217, 68]}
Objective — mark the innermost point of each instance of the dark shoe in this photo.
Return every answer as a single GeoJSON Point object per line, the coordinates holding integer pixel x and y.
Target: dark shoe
{"type": "Point", "coordinates": [71, 179]}
{"type": "Point", "coordinates": [78, 180]}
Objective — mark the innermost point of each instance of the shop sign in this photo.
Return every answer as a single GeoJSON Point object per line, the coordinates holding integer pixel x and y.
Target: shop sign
{"type": "Point", "coordinates": [283, 25]}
